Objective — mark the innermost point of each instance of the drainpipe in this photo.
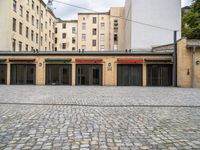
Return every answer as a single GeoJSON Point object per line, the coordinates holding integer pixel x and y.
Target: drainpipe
{"type": "Point", "coordinates": [193, 67]}
{"type": "Point", "coordinates": [175, 60]}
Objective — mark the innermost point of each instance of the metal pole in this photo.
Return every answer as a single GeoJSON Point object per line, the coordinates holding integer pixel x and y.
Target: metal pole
{"type": "Point", "coordinates": [193, 65]}
{"type": "Point", "coordinates": [175, 60]}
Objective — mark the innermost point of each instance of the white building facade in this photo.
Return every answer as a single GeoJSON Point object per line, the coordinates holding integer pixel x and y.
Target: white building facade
{"type": "Point", "coordinates": [159, 13]}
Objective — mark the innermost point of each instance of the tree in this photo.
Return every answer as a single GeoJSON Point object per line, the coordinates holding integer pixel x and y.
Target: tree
{"type": "Point", "coordinates": [191, 21]}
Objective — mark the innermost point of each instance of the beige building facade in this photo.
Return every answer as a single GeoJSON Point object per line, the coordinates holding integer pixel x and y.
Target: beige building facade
{"type": "Point", "coordinates": [66, 35]}
{"type": "Point", "coordinates": [26, 25]}
{"type": "Point", "coordinates": [31, 25]}
{"type": "Point", "coordinates": [101, 31]}
{"type": "Point", "coordinates": [122, 68]}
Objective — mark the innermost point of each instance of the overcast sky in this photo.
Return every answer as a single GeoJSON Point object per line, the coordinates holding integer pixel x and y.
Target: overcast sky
{"type": "Point", "coordinates": [67, 12]}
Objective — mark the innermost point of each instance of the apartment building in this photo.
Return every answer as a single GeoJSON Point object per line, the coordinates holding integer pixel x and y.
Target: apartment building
{"type": "Point", "coordinates": [66, 35]}
{"type": "Point", "coordinates": [144, 19]}
{"type": "Point", "coordinates": [26, 25]}
{"type": "Point", "coordinates": [101, 31]}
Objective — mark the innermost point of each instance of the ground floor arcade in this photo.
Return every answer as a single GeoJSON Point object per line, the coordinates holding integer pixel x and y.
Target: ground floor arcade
{"type": "Point", "coordinates": [109, 69]}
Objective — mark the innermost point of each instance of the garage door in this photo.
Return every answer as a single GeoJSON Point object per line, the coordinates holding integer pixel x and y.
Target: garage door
{"type": "Point", "coordinates": [58, 74]}
{"type": "Point", "coordinates": [89, 74]}
{"type": "Point", "coordinates": [159, 75]}
{"type": "Point", "coordinates": [129, 75]}
{"type": "Point", "coordinates": [3, 74]}
{"type": "Point", "coordinates": [23, 74]}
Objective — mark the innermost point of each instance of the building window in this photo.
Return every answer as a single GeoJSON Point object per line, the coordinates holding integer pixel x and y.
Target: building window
{"type": "Point", "coordinates": [33, 20]}
{"type": "Point", "coordinates": [64, 25]}
{"type": "Point", "coordinates": [64, 35]}
{"type": "Point", "coordinates": [83, 47]}
{"type": "Point", "coordinates": [27, 47]}
{"type": "Point", "coordinates": [73, 48]}
{"type": "Point", "coordinates": [83, 26]}
{"type": "Point", "coordinates": [41, 40]}
{"type": "Point", "coordinates": [45, 37]}
{"type": "Point", "coordinates": [41, 13]}
{"type": "Point", "coordinates": [20, 28]}
{"type": "Point", "coordinates": [49, 21]}
{"type": "Point", "coordinates": [15, 5]}
{"type": "Point", "coordinates": [64, 45]}
{"type": "Point", "coordinates": [102, 37]}
{"type": "Point", "coordinates": [73, 30]}
{"type": "Point", "coordinates": [14, 24]}
{"type": "Point", "coordinates": [56, 40]}
{"type": "Point", "coordinates": [49, 33]}
{"type": "Point", "coordinates": [21, 11]}
{"type": "Point", "coordinates": [94, 20]}
{"type": "Point", "coordinates": [27, 32]}
{"type": "Point", "coordinates": [56, 49]}
{"type": "Point", "coordinates": [42, 27]}
{"type": "Point", "coordinates": [37, 37]}
{"type": "Point", "coordinates": [27, 16]}
{"type": "Point", "coordinates": [33, 4]}
{"type": "Point", "coordinates": [94, 31]}
{"type": "Point", "coordinates": [37, 23]}
{"type": "Point", "coordinates": [37, 9]}
{"type": "Point", "coordinates": [102, 47]}
{"type": "Point", "coordinates": [115, 23]}
{"type": "Point", "coordinates": [94, 42]}
{"type": "Point", "coordinates": [14, 45]}
{"type": "Point", "coordinates": [83, 18]}
{"type": "Point", "coordinates": [73, 40]}
{"type": "Point", "coordinates": [32, 35]}
{"type": "Point", "coordinates": [32, 48]}
{"type": "Point", "coordinates": [20, 46]}
{"type": "Point", "coordinates": [83, 37]}
{"type": "Point", "coordinates": [45, 24]}
{"type": "Point", "coordinates": [115, 37]}
{"type": "Point", "coordinates": [56, 30]}
{"type": "Point", "coordinates": [102, 26]}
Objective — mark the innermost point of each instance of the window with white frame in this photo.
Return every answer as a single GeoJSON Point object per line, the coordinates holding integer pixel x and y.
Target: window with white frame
{"type": "Point", "coordinates": [83, 37]}
{"type": "Point", "coordinates": [102, 37]}
{"type": "Point", "coordinates": [83, 26]}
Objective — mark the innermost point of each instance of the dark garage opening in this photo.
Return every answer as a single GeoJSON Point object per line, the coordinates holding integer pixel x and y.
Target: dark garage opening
{"type": "Point", "coordinates": [58, 74]}
{"type": "Point", "coordinates": [159, 75]}
{"type": "Point", "coordinates": [3, 74]}
{"type": "Point", "coordinates": [89, 74]}
{"type": "Point", "coordinates": [129, 75]}
{"type": "Point", "coordinates": [23, 74]}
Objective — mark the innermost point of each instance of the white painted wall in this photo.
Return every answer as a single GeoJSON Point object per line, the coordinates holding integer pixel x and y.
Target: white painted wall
{"type": "Point", "coordinates": [162, 13]}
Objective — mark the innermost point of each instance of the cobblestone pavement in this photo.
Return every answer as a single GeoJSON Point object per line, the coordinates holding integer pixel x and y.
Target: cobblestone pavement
{"type": "Point", "coordinates": [99, 127]}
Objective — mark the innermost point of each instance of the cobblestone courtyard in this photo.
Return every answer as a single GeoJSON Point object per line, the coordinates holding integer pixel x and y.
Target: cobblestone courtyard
{"type": "Point", "coordinates": [45, 117]}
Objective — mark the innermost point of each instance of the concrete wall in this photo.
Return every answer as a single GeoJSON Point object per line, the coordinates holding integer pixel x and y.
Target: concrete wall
{"type": "Point", "coordinates": [161, 13]}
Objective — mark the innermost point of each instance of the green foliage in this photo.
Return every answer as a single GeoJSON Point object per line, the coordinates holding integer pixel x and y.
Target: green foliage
{"type": "Point", "coordinates": [191, 21]}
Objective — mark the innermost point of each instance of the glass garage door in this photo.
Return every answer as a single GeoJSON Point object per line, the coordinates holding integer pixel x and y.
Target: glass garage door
{"type": "Point", "coordinates": [58, 74]}
{"type": "Point", "coordinates": [89, 74]}
{"type": "Point", "coordinates": [3, 74]}
{"type": "Point", "coordinates": [159, 75]}
{"type": "Point", "coordinates": [23, 74]}
{"type": "Point", "coordinates": [129, 75]}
